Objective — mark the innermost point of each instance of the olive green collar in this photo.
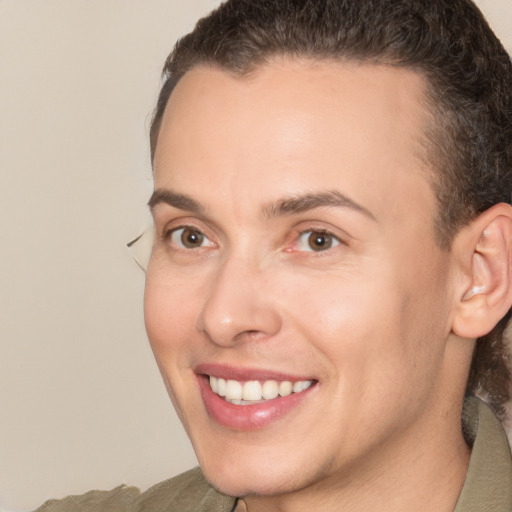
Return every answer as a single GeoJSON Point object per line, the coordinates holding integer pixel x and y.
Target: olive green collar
{"type": "Point", "coordinates": [488, 484]}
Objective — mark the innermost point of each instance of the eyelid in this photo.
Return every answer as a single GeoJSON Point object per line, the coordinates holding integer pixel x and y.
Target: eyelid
{"type": "Point", "coordinates": [173, 232]}
{"type": "Point", "coordinates": [167, 229]}
{"type": "Point", "coordinates": [303, 245]}
{"type": "Point", "coordinates": [165, 225]}
{"type": "Point", "coordinates": [299, 232]}
{"type": "Point", "coordinates": [335, 240]}
{"type": "Point", "coordinates": [176, 238]}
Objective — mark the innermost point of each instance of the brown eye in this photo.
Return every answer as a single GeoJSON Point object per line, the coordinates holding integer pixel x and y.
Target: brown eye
{"type": "Point", "coordinates": [188, 238]}
{"type": "Point", "coordinates": [320, 241]}
{"type": "Point", "coordinates": [191, 238]}
{"type": "Point", "coordinates": [316, 241]}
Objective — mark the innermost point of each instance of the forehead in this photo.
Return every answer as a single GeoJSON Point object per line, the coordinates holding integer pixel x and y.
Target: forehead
{"type": "Point", "coordinates": [300, 124]}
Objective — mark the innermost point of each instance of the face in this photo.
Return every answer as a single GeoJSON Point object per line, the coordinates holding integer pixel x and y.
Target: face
{"type": "Point", "coordinates": [295, 272]}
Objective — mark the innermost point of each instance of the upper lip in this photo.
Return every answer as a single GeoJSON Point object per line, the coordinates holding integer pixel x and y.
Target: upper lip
{"type": "Point", "coordinates": [238, 373]}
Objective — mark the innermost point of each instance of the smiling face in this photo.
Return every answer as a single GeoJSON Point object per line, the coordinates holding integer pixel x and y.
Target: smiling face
{"type": "Point", "coordinates": [295, 271]}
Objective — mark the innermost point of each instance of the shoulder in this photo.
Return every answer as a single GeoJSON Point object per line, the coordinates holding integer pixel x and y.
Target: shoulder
{"type": "Point", "coordinates": [488, 484]}
{"type": "Point", "coordinates": [188, 492]}
{"type": "Point", "coordinates": [119, 499]}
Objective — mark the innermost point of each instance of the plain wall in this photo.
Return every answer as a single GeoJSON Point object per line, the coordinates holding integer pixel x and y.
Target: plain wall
{"type": "Point", "coordinates": [82, 404]}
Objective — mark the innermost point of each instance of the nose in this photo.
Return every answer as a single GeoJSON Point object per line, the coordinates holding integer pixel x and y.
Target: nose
{"type": "Point", "coordinates": [238, 306]}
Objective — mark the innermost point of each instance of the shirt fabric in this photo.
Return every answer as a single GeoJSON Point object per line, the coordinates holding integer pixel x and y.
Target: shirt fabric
{"type": "Point", "coordinates": [487, 487]}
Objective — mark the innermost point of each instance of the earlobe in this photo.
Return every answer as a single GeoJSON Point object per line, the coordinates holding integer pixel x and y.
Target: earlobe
{"type": "Point", "coordinates": [485, 252]}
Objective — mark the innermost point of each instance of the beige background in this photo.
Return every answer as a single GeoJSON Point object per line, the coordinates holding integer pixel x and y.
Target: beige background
{"type": "Point", "coordinates": [81, 401]}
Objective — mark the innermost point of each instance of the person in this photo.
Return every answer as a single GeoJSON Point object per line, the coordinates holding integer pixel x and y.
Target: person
{"type": "Point", "coordinates": [329, 284]}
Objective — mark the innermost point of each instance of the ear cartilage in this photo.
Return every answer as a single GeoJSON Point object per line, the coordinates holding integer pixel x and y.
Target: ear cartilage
{"type": "Point", "coordinates": [474, 291]}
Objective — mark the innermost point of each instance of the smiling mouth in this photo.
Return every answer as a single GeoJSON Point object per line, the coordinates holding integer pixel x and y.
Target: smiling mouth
{"type": "Point", "coordinates": [254, 391]}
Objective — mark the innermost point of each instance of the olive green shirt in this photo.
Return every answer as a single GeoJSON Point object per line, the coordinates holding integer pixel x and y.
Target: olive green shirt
{"type": "Point", "coordinates": [488, 484]}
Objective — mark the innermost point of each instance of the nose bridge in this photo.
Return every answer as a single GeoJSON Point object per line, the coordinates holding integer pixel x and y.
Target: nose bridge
{"type": "Point", "coordinates": [237, 303]}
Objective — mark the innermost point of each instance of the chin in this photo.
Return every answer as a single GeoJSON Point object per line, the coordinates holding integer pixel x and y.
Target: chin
{"type": "Point", "coordinates": [250, 483]}
{"type": "Point", "coordinates": [238, 476]}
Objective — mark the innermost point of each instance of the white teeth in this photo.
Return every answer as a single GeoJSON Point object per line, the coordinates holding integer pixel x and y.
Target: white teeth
{"type": "Point", "coordinates": [244, 402]}
{"type": "Point", "coordinates": [253, 391]}
{"type": "Point", "coordinates": [297, 387]}
{"type": "Point", "coordinates": [285, 388]}
{"type": "Point", "coordinates": [270, 390]}
{"type": "Point", "coordinates": [301, 386]}
{"type": "Point", "coordinates": [234, 390]}
{"type": "Point", "coordinates": [221, 387]}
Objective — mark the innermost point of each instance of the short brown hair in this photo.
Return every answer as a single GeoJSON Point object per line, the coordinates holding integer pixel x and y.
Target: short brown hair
{"type": "Point", "coordinates": [469, 79]}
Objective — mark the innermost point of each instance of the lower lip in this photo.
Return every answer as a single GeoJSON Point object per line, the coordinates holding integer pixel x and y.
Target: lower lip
{"type": "Point", "coordinates": [247, 417]}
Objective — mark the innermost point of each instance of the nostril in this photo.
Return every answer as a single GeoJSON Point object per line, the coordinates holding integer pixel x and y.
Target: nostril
{"type": "Point", "coordinates": [251, 335]}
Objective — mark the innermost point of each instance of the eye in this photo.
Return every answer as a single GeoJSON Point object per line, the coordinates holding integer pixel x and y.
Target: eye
{"type": "Point", "coordinates": [189, 238]}
{"type": "Point", "coordinates": [317, 241]}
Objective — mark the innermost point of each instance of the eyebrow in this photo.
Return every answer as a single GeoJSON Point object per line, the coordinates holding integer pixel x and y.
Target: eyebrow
{"type": "Point", "coordinates": [302, 203]}
{"type": "Point", "coordinates": [288, 205]}
{"type": "Point", "coordinates": [180, 201]}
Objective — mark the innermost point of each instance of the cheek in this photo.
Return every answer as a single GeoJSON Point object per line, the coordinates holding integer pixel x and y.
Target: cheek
{"type": "Point", "coordinates": [346, 328]}
{"type": "Point", "coordinates": [169, 316]}
{"type": "Point", "coordinates": [359, 326]}
{"type": "Point", "coordinates": [354, 334]}
{"type": "Point", "coordinates": [337, 311]}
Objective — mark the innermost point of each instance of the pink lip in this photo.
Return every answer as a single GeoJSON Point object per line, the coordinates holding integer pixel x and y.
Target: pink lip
{"type": "Point", "coordinates": [246, 417]}
{"type": "Point", "coordinates": [245, 374]}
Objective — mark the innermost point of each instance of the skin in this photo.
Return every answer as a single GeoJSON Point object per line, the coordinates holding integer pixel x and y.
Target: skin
{"type": "Point", "coordinates": [369, 318]}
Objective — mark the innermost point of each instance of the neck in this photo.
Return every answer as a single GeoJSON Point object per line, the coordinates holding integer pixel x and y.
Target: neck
{"type": "Point", "coordinates": [414, 475]}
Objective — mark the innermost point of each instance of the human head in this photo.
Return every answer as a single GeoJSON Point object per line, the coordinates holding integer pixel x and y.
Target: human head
{"type": "Point", "coordinates": [469, 77]}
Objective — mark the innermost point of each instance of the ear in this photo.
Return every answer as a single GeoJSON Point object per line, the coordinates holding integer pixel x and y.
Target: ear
{"type": "Point", "coordinates": [484, 252]}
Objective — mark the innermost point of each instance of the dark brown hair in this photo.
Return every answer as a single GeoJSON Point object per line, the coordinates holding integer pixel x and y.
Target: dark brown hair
{"type": "Point", "coordinates": [469, 79]}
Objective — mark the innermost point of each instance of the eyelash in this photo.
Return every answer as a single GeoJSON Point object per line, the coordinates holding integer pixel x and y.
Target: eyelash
{"type": "Point", "coordinates": [171, 233]}
{"type": "Point", "coordinates": [332, 240]}
{"type": "Point", "coordinates": [297, 246]}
